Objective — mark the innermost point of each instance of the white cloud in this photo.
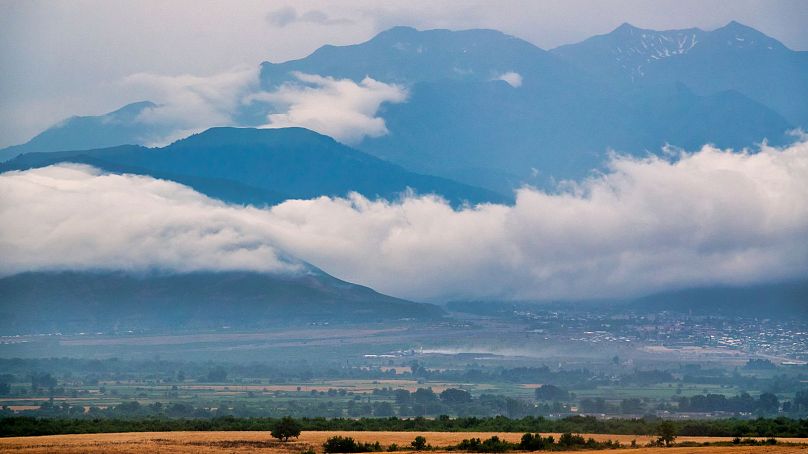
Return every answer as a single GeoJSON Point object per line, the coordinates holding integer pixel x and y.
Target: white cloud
{"type": "Point", "coordinates": [647, 225]}
{"type": "Point", "coordinates": [513, 79]}
{"type": "Point", "coordinates": [710, 217]}
{"type": "Point", "coordinates": [288, 15]}
{"type": "Point", "coordinates": [339, 108]}
{"type": "Point", "coordinates": [74, 217]}
{"type": "Point", "coordinates": [189, 103]}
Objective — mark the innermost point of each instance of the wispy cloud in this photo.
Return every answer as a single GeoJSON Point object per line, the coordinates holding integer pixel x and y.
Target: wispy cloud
{"type": "Point", "coordinates": [513, 79]}
{"type": "Point", "coordinates": [186, 104]}
{"type": "Point", "coordinates": [288, 15]}
{"type": "Point", "coordinates": [708, 217]}
{"type": "Point", "coordinates": [189, 103]}
{"type": "Point", "coordinates": [340, 108]}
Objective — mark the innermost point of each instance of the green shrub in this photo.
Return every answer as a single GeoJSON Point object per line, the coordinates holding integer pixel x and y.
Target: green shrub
{"type": "Point", "coordinates": [535, 442]}
{"type": "Point", "coordinates": [493, 444]}
{"type": "Point", "coordinates": [348, 444]}
{"type": "Point", "coordinates": [286, 428]}
{"type": "Point", "coordinates": [419, 444]}
{"type": "Point", "coordinates": [569, 440]}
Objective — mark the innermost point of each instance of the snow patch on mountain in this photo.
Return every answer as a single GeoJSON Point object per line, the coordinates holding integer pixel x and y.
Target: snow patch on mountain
{"type": "Point", "coordinates": [512, 78]}
{"type": "Point", "coordinates": [634, 47]}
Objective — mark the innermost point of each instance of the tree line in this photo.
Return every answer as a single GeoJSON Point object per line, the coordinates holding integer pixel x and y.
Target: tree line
{"type": "Point", "coordinates": [731, 427]}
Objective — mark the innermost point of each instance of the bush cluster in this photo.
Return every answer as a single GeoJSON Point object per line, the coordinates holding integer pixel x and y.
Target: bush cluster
{"type": "Point", "coordinates": [535, 442]}
{"type": "Point", "coordinates": [348, 444]}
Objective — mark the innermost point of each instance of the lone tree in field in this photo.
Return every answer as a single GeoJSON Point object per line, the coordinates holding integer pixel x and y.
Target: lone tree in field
{"type": "Point", "coordinates": [286, 428]}
{"type": "Point", "coordinates": [667, 433]}
{"type": "Point", "coordinates": [419, 444]}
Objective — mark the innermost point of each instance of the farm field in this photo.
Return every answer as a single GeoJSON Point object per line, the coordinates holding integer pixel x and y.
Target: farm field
{"type": "Point", "coordinates": [250, 395]}
{"type": "Point", "coordinates": [259, 394]}
{"type": "Point", "coordinates": [215, 442]}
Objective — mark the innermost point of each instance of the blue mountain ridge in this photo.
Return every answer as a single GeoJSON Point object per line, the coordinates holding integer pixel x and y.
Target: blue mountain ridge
{"type": "Point", "coordinates": [103, 300]}
{"type": "Point", "coordinates": [631, 90]}
{"type": "Point", "coordinates": [120, 127]}
{"type": "Point", "coordinates": [264, 167]}
{"type": "Point", "coordinates": [733, 57]}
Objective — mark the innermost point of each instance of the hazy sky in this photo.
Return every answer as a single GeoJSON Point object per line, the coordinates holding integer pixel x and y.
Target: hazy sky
{"type": "Point", "coordinates": [64, 58]}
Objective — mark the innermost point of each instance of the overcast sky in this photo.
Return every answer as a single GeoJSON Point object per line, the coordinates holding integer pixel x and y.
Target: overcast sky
{"type": "Point", "coordinates": [64, 58]}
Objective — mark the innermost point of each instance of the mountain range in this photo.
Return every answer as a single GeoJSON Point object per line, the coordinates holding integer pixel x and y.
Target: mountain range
{"type": "Point", "coordinates": [486, 113]}
{"type": "Point", "coordinates": [462, 122]}
{"type": "Point", "coordinates": [93, 301]}
{"type": "Point", "coordinates": [83, 133]}
{"type": "Point", "coordinates": [263, 167]}
{"type": "Point", "coordinates": [734, 57]}
{"type": "Point", "coordinates": [776, 300]}
{"type": "Point", "coordinates": [631, 90]}
{"type": "Point", "coordinates": [779, 300]}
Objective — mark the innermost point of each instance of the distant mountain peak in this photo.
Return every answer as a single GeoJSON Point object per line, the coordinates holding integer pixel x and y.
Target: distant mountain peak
{"type": "Point", "coordinates": [625, 27]}
{"type": "Point", "coordinates": [739, 36]}
{"type": "Point", "coordinates": [118, 127]}
{"type": "Point", "coordinates": [405, 38]}
{"type": "Point", "coordinates": [633, 49]}
{"type": "Point", "coordinates": [405, 55]}
{"type": "Point", "coordinates": [134, 107]}
{"type": "Point", "coordinates": [227, 135]}
{"type": "Point", "coordinates": [398, 30]}
{"type": "Point", "coordinates": [129, 112]}
{"type": "Point", "coordinates": [403, 30]}
{"type": "Point", "coordinates": [734, 25]}
{"type": "Point", "coordinates": [126, 113]}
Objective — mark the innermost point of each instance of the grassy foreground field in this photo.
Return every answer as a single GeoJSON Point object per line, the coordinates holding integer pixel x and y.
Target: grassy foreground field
{"type": "Point", "coordinates": [220, 442]}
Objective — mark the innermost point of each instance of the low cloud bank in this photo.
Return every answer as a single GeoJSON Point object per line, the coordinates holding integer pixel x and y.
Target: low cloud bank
{"type": "Point", "coordinates": [704, 218]}
{"type": "Point", "coordinates": [75, 217]}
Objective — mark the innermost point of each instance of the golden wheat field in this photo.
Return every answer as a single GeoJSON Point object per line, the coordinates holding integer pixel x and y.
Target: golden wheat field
{"type": "Point", "coordinates": [238, 442]}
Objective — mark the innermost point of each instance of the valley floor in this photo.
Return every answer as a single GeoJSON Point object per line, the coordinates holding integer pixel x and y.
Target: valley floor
{"type": "Point", "coordinates": [234, 442]}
